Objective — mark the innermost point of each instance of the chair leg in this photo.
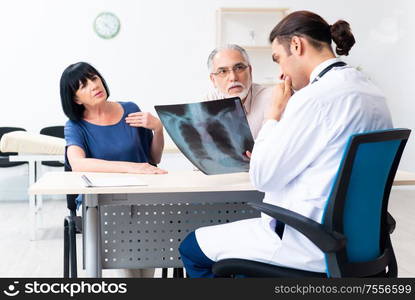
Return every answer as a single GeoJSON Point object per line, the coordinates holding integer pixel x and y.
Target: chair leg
{"type": "Point", "coordinates": [164, 273]}
{"type": "Point", "coordinates": [72, 249]}
{"type": "Point", "coordinates": [65, 249]}
{"type": "Point", "coordinates": [178, 273]}
{"type": "Point", "coordinates": [393, 266]}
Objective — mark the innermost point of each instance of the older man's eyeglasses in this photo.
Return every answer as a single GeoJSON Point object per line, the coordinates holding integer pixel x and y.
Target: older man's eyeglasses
{"type": "Point", "coordinates": [224, 72]}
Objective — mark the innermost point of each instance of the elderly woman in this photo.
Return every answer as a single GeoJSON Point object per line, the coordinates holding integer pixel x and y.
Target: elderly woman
{"type": "Point", "coordinates": [107, 136]}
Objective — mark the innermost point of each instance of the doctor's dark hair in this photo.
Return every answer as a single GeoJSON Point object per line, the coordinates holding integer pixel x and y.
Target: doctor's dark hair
{"type": "Point", "coordinates": [315, 29]}
{"type": "Point", "coordinates": [71, 79]}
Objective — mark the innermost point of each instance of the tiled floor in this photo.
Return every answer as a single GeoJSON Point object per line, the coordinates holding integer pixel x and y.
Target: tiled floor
{"type": "Point", "coordinates": [43, 258]}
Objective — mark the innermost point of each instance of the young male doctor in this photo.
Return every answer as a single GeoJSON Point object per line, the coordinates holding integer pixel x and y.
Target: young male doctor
{"type": "Point", "coordinates": [299, 148]}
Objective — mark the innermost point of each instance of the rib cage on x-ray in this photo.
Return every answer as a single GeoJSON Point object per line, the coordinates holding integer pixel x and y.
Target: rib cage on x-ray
{"type": "Point", "coordinates": [213, 135]}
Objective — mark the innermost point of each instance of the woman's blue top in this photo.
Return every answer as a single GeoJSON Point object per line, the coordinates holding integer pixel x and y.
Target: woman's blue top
{"type": "Point", "coordinates": [117, 142]}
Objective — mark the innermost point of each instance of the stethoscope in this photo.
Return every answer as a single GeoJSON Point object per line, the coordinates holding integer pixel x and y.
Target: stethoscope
{"type": "Point", "coordinates": [328, 68]}
{"type": "Point", "coordinates": [322, 73]}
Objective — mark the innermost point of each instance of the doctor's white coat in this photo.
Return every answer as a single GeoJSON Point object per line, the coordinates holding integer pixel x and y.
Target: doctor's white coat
{"type": "Point", "coordinates": [295, 161]}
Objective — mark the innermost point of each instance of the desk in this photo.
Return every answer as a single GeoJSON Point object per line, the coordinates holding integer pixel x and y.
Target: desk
{"type": "Point", "coordinates": [404, 178]}
{"type": "Point", "coordinates": [142, 226]}
{"type": "Point", "coordinates": [35, 203]}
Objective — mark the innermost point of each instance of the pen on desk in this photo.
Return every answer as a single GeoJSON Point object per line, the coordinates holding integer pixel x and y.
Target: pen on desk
{"type": "Point", "coordinates": [87, 181]}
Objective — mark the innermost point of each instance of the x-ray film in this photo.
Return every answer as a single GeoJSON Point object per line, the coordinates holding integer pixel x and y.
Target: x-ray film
{"type": "Point", "coordinates": [213, 135]}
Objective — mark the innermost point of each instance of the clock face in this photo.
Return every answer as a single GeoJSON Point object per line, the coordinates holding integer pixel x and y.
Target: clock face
{"type": "Point", "coordinates": [107, 25]}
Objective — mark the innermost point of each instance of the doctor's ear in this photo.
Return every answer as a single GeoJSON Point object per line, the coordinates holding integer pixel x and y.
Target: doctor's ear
{"type": "Point", "coordinates": [296, 45]}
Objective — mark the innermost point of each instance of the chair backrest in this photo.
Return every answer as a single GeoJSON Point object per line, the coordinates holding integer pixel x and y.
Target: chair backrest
{"type": "Point", "coordinates": [4, 130]}
{"type": "Point", "coordinates": [56, 131]}
{"type": "Point", "coordinates": [4, 156]}
{"type": "Point", "coordinates": [357, 206]}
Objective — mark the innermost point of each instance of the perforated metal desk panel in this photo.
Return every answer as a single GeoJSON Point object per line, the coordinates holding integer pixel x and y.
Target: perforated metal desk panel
{"type": "Point", "coordinates": [142, 226]}
{"type": "Point", "coordinates": [149, 234]}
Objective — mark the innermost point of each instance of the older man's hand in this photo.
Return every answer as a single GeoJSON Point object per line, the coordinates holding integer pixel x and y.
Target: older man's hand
{"type": "Point", "coordinates": [280, 96]}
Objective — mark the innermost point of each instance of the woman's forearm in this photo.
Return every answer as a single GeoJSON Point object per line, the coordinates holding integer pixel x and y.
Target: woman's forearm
{"type": "Point", "coordinates": [106, 166]}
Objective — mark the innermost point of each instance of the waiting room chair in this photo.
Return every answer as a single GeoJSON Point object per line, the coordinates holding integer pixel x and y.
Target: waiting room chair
{"type": "Point", "coordinates": [56, 131]}
{"type": "Point", "coordinates": [4, 156]}
{"type": "Point", "coordinates": [72, 225]}
{"type": "Point", "coordinates": [355, 229]}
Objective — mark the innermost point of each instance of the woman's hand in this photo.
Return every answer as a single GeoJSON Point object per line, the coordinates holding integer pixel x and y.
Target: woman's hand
{"type": "Point", "coordinates": [147, 120]}
{"type": "Point", "coordinates": [246, 156]}
{"type": "Point", "coordinates": [146, 168]}
{"type": "Point", "coordinates": [144, 119]}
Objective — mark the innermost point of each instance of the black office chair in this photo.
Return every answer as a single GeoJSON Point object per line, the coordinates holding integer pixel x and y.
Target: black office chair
{"type": "Point", "coordinates": [4, 156]}
{"type": "Point", "coordinates": [56, 131]}
{"type": "Point", "coordinates": [72, 225]}
{"type": "Point", "coordinates": [355, 230]}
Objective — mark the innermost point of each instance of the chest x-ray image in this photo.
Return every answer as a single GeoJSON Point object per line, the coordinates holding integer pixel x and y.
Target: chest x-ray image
{"type": "Point", "coordinates": [213, 135]}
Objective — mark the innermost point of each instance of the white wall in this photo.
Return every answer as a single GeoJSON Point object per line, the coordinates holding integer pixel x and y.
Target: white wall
{"type": "Point", "coordinates": [160, 53]}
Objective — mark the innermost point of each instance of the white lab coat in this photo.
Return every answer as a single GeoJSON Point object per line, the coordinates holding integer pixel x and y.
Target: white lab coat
{"type": "Point", "coordinates": [295, 161]}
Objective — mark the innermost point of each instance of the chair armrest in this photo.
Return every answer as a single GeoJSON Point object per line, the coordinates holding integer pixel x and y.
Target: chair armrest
{"type": "Point", "coordinates": [315, 232]}
{"type": "Point", "coordinates": [390, 223]}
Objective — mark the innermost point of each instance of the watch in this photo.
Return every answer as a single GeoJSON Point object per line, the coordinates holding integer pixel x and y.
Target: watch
{"type": "Point", "coordinates": [107, 25]}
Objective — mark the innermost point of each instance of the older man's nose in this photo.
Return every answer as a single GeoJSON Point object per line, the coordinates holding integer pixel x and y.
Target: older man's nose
{"type": "Point", "coordinates": [232, 75]}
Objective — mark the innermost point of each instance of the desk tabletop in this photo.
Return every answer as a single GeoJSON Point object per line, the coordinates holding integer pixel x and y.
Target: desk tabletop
{"type": "Point", "coordinates": [404, 178]}
{"type": "Point", "coordinates": [36, 157]}
{"type": "Point", "coordinates": [187, 181]}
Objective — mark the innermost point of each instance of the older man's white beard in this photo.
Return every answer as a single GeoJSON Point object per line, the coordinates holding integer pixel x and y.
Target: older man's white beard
{"type": "Point", "coordinates": [242, 94]}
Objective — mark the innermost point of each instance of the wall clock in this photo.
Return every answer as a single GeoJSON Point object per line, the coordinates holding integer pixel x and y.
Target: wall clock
{"type": "Point", "coordinates": [107, 25]}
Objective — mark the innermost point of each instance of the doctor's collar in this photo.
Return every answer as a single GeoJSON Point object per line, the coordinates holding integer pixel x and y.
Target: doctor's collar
{"type": "Point", "coordinates": [317, 70]}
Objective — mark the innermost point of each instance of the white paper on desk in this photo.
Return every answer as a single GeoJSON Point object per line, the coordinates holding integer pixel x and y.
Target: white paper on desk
{"type": "Point", "coordinates": [112, 181]}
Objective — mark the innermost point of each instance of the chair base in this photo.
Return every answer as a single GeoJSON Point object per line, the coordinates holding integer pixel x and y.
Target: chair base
{"type": "Point", "coordinates": [249, 268]}
{"type": "Point", "coordinates": [177, 273]}
{"type": "Point", "coordinates": [72, 226]}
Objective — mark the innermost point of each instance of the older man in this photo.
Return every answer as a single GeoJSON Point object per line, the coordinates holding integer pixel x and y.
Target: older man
{"type": "Point", "coordinates": [231, 75]}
